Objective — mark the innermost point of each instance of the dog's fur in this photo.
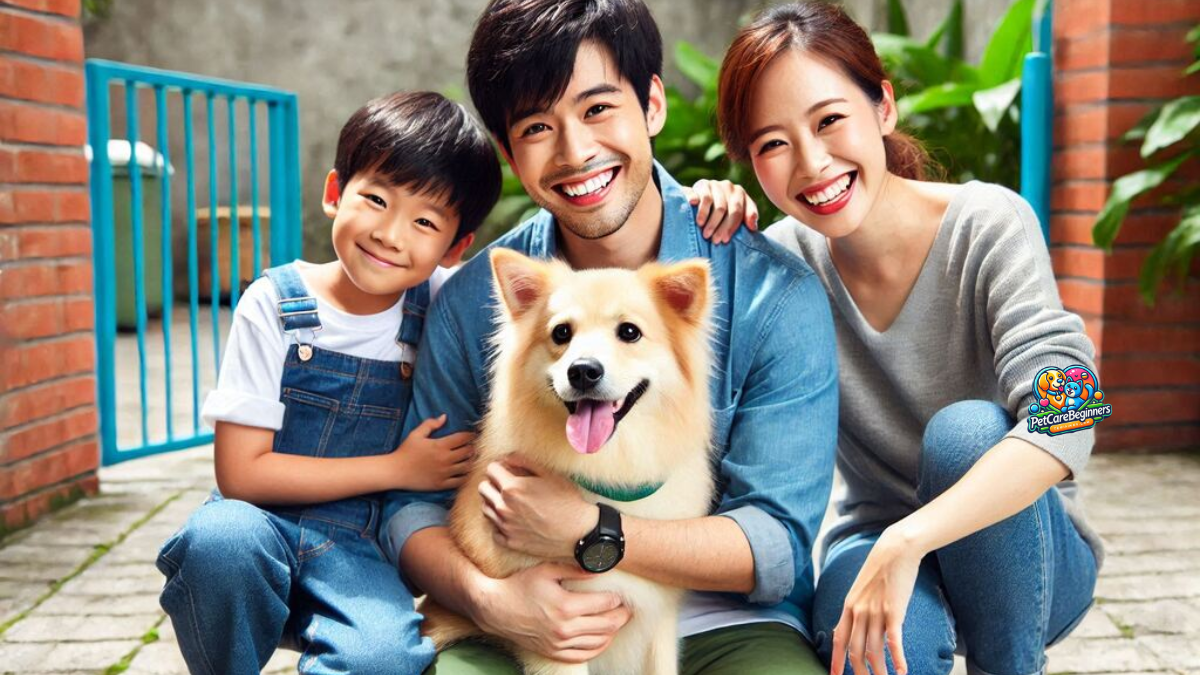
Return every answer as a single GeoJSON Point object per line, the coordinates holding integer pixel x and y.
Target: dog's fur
{"type": "Point", "coordinates": [665, 436]}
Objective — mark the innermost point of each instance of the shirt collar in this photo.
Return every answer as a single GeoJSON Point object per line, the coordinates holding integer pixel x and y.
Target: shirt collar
{"type": "Point", "coordinates": [679, 230]}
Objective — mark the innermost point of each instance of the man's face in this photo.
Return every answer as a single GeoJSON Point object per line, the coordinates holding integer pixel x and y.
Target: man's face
{"type": "Point", "coordinates": [587, 159]}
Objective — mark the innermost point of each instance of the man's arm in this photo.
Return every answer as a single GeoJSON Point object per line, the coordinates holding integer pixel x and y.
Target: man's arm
{"type": "Point", "coordinates": [778, 474]}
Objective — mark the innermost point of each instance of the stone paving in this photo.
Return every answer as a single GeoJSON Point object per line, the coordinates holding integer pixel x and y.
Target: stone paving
{"type": "Point", "coordinates": [79, 591]}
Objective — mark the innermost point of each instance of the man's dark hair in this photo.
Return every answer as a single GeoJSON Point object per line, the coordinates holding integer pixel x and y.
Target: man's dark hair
{"type": "Point", "coordinates": [427, 143]}
{"type": "Point", "coordinates": [523, 53]}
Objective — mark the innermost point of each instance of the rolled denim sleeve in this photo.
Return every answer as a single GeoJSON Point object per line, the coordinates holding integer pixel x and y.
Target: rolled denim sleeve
{"type": "Point", "coordinates": [778, 470]}
{"type": "Point", "coordinates": [444, 381]}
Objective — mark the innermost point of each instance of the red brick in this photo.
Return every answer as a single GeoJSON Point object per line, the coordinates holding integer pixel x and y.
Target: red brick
{"type": "Point", "coordinates": [37, 166]}
{"type": "Point", "coordinates": [53, 242]}
{"type": "Point", "coordinates": [46, 206]}
{"type": "Point", "coordinates": [50, 278]}
{"type": "Point", "coordinates": [1137, 228]}
{"type": "Point", "coordinates": [33, 123]}
{"type": "Point", "coordinates": [1094, 123]}
{"type": "Point", "coordinates": [1132, 13]}
{"type": "Point", "coordinates": [47, 434]}
{"type": "Point", "coordinates": [1073, 18]}
{"type": "Point", "coordinates": [1129, 337]}
{"type": "Point", "coordinates": [31, 403]}
{"type": "Point", "coordinates": [51, 468]}
{"type": "Point", "coordinates": [1078, 196]}
{"type": "Point", "coordinates": [1160, 82]}
{"type": "Point", "coordinates": [1150, 370]}
{"type": "Point", "coordinates": [42, 82]}
{"type": "Point", "coordinates": [1157, 437]}
{"type": "Point", "coordinates": [68, 8]}
{"type": "Point", "coordinates": [1085, 52]}
{"type": "Point", "coordinates": [1150, 44]}
{"type": "Point", "coordinates": [1082, 297]}
{"type": "Point", "coordinates": [41, 36]}
{"type": "Point", "coordinates": [1085, 87]}
{"type": "Point", "coordinates": [28, 364]}
{"type": "Point", "coordinates": [1154, 406]}
{"type": "Point", "coordinates": [46, 317]}
{"type": "Point", "coordinates": [27, 509]}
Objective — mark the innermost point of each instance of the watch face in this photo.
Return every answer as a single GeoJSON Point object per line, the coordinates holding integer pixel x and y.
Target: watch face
{"type": "Point", "coordinates": [601, 556]}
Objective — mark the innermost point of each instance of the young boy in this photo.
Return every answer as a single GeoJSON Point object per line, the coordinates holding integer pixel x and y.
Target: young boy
{"type": "Point", "coordinates": [310, 404]}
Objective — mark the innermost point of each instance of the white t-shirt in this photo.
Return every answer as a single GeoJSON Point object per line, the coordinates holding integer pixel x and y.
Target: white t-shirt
{"type": "Point", "coordinates": [248, 385]}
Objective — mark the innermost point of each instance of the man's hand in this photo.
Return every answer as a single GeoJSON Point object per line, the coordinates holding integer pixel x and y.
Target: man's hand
{"type": "Point", "coordinates": [532, 609]}
{"type": "Point", "coordinates": [535, 511]}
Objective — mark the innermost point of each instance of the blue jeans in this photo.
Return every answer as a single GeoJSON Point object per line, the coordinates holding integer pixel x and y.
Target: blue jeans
{"type": "Point", "coordinates": [1008, 591]}
{"type": "Point", "coordinates": [241, 580]}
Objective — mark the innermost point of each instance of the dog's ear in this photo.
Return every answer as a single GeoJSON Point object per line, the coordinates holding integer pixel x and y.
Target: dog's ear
{"type": "Point", "coordinates": [522, 281]}
{"type": "Point", "coordinates": [683, 287]}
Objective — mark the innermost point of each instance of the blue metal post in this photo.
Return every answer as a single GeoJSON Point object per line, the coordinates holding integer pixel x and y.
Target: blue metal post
{"type": "Point", "coordinates": [139, 239]}
{"type": "Point", "coordinates": [104, 272]}
{"type": "Point", "coordinates": [251, 105]}
{"type": "Point", "coordinates": [189, 152]}
{"type": "Point", "coordinates": [235, 277]}
{"type": "Point", "coordinates": [1037, 120]}
{"type": "Point", "coordinates": [168, 290]}
{"type": "Point", "coordinates": [214, 227]}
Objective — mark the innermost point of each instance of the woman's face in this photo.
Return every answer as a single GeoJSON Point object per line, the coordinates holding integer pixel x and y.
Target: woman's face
{"type": "Point", "coordinates": [816, 142]}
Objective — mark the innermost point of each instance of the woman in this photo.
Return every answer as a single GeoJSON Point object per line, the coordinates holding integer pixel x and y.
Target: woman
{"type": "Point", "coordinates": [955, 519]}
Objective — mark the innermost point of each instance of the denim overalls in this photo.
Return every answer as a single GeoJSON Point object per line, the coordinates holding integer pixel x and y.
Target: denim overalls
{"type": "Point", "coordinates": [242, 580]}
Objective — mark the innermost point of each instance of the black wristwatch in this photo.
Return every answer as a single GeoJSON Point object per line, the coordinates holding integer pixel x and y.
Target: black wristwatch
{"type": "Point", "coordinates": [602, 548]}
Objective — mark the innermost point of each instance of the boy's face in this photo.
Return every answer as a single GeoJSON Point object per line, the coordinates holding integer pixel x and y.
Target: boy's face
{"type": "Point", "coordinates": [587, 159]}
{"type": "Point", "coordinates": [387, 237]}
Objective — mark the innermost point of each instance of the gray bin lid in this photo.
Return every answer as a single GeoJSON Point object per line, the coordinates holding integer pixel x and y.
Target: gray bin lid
{"type": "Point", "coordinates": [149, 160]}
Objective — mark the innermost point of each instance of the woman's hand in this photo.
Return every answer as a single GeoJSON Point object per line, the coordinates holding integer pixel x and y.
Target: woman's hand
{"type": "Point", "coordinates": [535, 511]}
{"type": "Point", "coordinates": [723, 206]}
{"type": "Point", "coordinates": [426, 464]}
{"type": "Point", "coordinates": [875, 607]}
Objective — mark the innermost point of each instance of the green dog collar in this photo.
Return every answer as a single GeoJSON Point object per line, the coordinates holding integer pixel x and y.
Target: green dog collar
{"type": "Point", "coordinates": [618, 493]}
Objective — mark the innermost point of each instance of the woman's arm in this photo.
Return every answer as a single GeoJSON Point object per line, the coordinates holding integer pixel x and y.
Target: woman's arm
{"type": "Point", "coordinates": [248, 470]}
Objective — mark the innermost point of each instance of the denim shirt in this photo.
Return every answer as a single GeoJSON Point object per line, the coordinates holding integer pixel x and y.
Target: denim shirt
{"type": "Point", "coordinates": [774, 389]}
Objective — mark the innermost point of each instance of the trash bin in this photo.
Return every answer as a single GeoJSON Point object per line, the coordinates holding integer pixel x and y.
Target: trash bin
{"type": "Point", "coordinates": [151, 164]}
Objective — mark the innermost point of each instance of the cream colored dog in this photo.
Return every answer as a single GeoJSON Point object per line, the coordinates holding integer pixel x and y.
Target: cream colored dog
{"type": "Point", "coordinates": [645, 420]}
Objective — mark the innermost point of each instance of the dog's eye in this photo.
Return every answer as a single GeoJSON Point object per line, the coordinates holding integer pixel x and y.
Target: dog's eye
{"type": "Point", "coordinates": [628, 332]}
{"type": "Point", "coordinates": [561, 334]}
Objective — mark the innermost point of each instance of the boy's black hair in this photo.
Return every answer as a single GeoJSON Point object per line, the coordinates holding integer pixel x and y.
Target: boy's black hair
{"type": "Point", "coordinates": [523, 53]}
{"type": "Point", "coordinates": [428, 143]}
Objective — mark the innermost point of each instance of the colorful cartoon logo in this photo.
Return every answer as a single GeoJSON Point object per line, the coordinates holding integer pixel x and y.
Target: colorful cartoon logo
{"type": "Point", "coordinates": [1066, 400]}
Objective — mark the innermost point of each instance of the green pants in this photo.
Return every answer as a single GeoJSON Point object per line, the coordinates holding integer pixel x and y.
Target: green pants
{"type": "Point", "coordinates": [753, 649]}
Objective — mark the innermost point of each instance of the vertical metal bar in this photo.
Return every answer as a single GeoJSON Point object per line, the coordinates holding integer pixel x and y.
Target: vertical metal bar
{"type": "Point", "coordinates": [256, 248]}
{"type": "Point", "coordinates": [1037, 110]}
{"type": "Point", "coordinates": [214, 264]}
{"type": "Point", "coordinates": [292, 167]}
{"type": "Point", "coordinates": [139, 241]}
{"type": "Point", "coordinates": [189, 152]}
{"type": "Point", "coordinates": [168, 290]}
{"type": "Point", "coordinates": [104, 257]}
{"type": "Point", "coordinates": [279, 190]}
{"type": "Point", "coordinates": [235, 225]}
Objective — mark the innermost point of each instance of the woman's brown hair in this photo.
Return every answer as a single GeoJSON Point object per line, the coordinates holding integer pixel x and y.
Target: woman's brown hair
{"type": "Point", "coordinates": [823, 30]}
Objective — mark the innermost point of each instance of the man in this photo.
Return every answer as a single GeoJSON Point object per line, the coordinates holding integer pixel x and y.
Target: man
{"type": "Point", "coordinates": [572, 91]}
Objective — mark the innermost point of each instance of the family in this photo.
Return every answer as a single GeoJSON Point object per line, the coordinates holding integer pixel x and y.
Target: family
{"type": "Point", "coordinates": [892, 326]}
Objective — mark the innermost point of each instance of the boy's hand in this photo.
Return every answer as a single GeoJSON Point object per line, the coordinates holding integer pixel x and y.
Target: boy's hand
{"type": "Point", "coordinates": [425, 464]}
{"type": "Point", "coordinates": [722, 207]}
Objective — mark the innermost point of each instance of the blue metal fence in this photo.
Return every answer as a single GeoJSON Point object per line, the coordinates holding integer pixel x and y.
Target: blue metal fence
{"type": "Point", "coordinates": [103, 77]}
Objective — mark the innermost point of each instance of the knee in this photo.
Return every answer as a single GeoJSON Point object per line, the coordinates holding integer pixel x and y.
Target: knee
{"type": "Point", "coordinates": [220, 539]}
{"type": "Point", "coordinates": [398, 653]}
{"type": "Point", "coordinates": [955, 438]}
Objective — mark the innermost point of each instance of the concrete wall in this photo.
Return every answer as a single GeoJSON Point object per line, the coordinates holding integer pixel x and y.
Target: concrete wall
{"type": "Point", "coordinates": [338, 55]}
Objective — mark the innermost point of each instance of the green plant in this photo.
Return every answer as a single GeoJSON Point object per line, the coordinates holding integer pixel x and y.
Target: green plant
{"type": "Point", "coordinates": [1170, 138]}
{"type": "Point", "coordinates": [967, 115]}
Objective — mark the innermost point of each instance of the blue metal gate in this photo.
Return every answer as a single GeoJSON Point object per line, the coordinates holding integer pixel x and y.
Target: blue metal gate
{"type": "Point", "coordinates": [150, 245]}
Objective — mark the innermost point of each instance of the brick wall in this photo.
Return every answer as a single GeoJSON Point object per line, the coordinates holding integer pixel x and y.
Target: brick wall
{"type": "Point", "coordinates": [1114, 61]}
{"type": "Point", "coordinates": [48, 443]}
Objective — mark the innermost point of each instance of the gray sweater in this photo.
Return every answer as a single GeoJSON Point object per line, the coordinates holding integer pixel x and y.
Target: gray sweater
{"type": "Point", "coordinates": [981, 321]}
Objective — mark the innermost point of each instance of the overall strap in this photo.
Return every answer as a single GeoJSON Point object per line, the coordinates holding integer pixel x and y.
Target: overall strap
{"type": "Point", "coordinates": [412, 324]}
{"type": "Point", "coordinates": [297, 308]}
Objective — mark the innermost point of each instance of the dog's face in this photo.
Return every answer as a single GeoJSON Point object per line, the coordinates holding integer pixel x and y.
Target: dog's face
{"type": "Point", "coordinates": [602, 348]}
{"type": "Point", "coordinates": [1054, 380]}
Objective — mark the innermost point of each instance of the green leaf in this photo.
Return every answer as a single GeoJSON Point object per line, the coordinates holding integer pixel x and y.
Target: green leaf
{"type": "Point", "coordinates": [714, 151]}
{"type": "Point", "coordinates": [697, 66]}
{"type": "Point", "coordinates": [951, 30]}
{"type": "Point", "coordinates": [949, 95]}
{"type": "Point", "coordinates": [1192, 69]}
{"type": "Point", "coordinates": [1139, 130]}
{"type": "Point", "coordinates": [897, 20]}
{"type": "Point", "coordinates": [1126, 189]}
{"type": "Point", "coordinates": [1193, 35]}
{"type": "Point", "coordinates": [1176, 251]}
{"type": "Point", "coordinates": [993, 103]}
{"type": "Point", "coordinates": [1178, 119]}
{"type": "Point", "coordinates": [1005, 51]}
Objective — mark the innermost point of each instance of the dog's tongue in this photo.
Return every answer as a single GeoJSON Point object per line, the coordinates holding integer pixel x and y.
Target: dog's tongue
{"type": "Point", "coordinates": [590, 425]}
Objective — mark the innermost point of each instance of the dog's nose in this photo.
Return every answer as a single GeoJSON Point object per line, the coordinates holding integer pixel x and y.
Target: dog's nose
{"type": "Point", "coordinates": [585, 374]}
